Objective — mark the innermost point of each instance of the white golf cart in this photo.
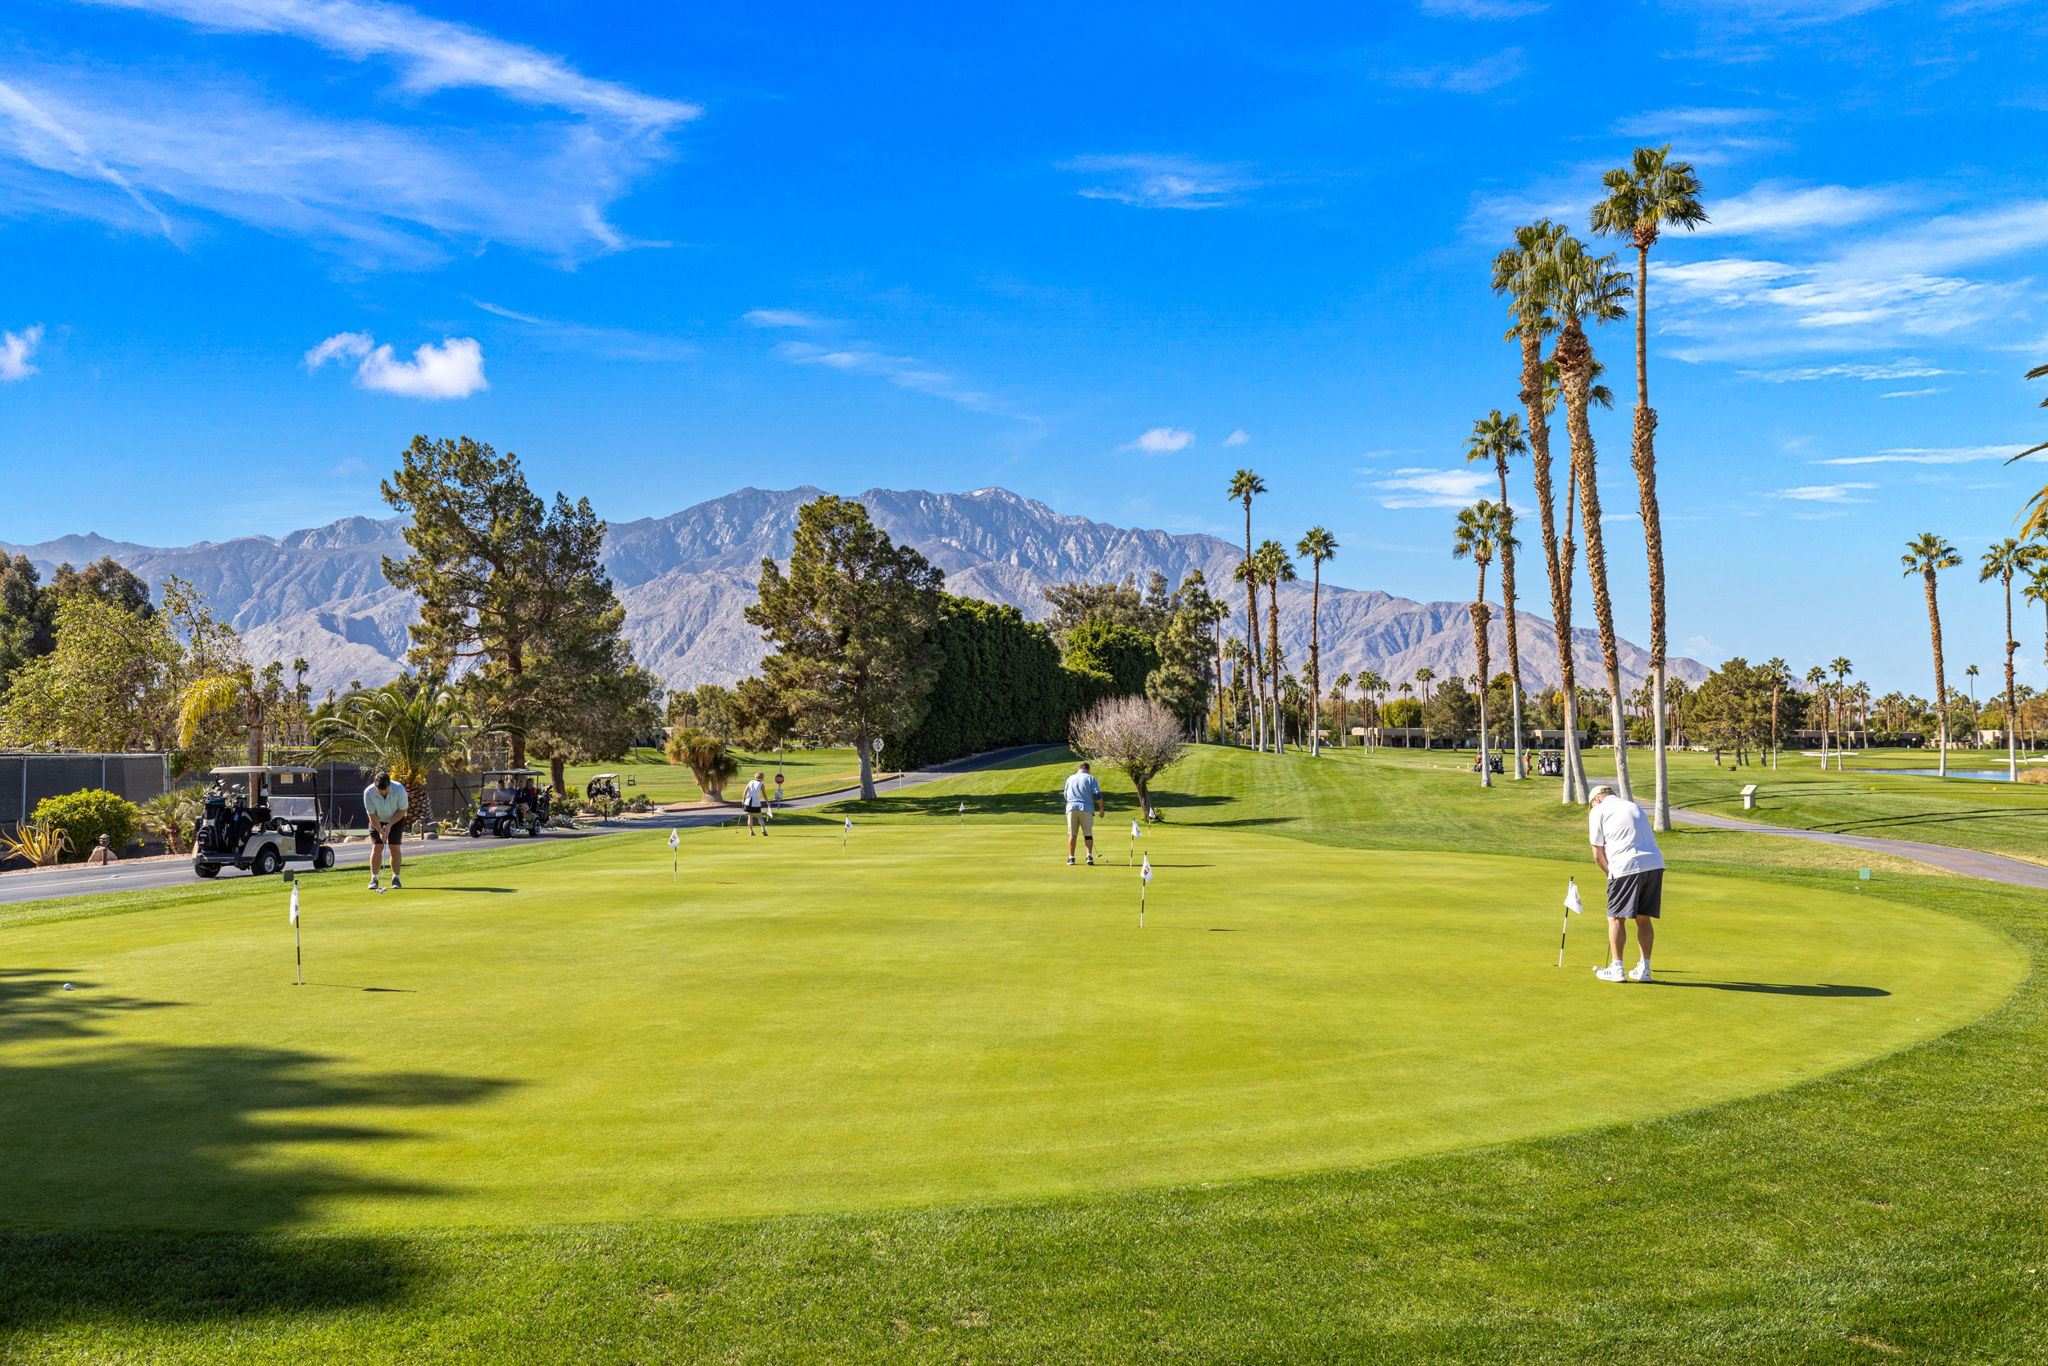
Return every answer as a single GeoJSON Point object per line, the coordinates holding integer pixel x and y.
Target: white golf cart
{"type": "Point", "coordinates": [259, 818]}
{"type": "Point", "coordinates": [498, 805]}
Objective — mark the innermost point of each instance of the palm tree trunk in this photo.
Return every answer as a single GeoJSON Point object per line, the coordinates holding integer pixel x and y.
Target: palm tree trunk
{"type": "Point", "coordinates": [1575, 757]}
{"type": "Point", "coordinates": [1507, 602]}
{"type": "Point", "coordinates": [2012, 753]}
{"type": "Point", "coordinates": [1315, 666]}
{"type": "Point", "coordinates": [1479, 624]}
{"type": "Point", "coordinates": [1560, 581]}
{"type": "Point", "coordinates": [1251, 623]}
{"type": "Point", "coordinates": [1644, 458]}
{"type": "Point", "coordinates": [1575, 363]}
{"type": "Point", "coordinates": [1273, 662]}
{"type": "Point", "coordinates": [1940, 676]}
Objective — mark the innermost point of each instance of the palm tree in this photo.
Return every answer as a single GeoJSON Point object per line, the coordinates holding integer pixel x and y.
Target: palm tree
{"type": "Point", "coordinates": [234, 692]}
{"type": "Point", "coordinates": [1374, 687]}
{"type": "Point", "coordinates": [2036, 591]}
{"type": "Point", "coordinates": [1842, 669]}
{"type": "Point", "coordinates": [1274, 569]}
{"type": "Point", "coordinates": [1425, 676]}
{"type": "Point", "coordinates": [1476, 538]}
{"type": "Point", "coordinates": [1519, 273]}
{"type": "Point", "coordinates": [1816, 684]}
{"type": "Point", "coordinates": [1498, 438]}
{"type": "Point", "coordinates": [1340, 687]}
{"type": "Point", "coordinates": [1642, 197]}
{"type": "Point", "coordinates": [1927, 555]}
{"type": "Point", "coordinates": [2002, 561]}
{"type": "Point", "coordinates": [1245, 486]}
{"type": "Point", "coordinates": [1581, 288]}
{"type": "Point", "coordinates": [411, 726]}
{"type": "Point", "coordinates": [1780, 670]}
{"type": "Point", "coordinates": [1316, 546]}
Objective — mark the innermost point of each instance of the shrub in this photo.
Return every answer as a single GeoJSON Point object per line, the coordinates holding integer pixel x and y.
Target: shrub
{"type": "Point", "coordinates": [85, 816]}
{"type": "Point", "coordinates": [170, 816]}
{"type": "Point", "coordinates": [2034, 775]}
{"type": "Point", "coordinates": [1134, 734]}
{"type": "Point", "coordinates": [707, 759]}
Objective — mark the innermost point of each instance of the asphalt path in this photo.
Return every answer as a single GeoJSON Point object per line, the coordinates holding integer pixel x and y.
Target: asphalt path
{"type": "Point", "coordinates": [79, 880]}
{"type": "Point", "coordinates": [1968, 862]}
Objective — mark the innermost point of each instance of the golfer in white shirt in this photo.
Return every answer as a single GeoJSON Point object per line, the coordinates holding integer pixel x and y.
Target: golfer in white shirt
{"type": "Point", "coordinates": [754, 802]}
{"type": "Point", "coordinates": [387, 808]}
{"type": "Point", "coordinates": [1626, 850]}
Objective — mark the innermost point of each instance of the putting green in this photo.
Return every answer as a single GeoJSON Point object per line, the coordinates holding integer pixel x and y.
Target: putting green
{"type": "Point", "coordinates": [937, 1014]}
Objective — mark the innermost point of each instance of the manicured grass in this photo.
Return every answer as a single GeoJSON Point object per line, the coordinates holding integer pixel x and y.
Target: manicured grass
{"type": "Point", "coordinates": [808, 771]}
{"type": "Point", "coordinates": [1893, 1209]}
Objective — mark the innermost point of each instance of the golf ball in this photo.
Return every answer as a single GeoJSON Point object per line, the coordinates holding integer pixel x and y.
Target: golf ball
{"type": "Point", "coordinates": [67, 986]}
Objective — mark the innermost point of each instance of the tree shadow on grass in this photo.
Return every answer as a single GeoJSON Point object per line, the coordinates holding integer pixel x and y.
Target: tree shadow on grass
{"type": "Point", "coordinates": [154, 1183]}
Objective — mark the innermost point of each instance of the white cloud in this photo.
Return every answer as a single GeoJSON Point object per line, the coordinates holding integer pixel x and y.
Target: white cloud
{"type": "Point", "coordinates": [1776, 208]}
{"type": "Point", "coordinates": [1825, 493]}
{"type": "Point", "coordinates": [1463, 78]}
{"type": "Point", "coordinates": [1905, 369]}
{"type": "Point", "coordinates": [454, 369]}
{"type": "Point", "coordinates": [780, 317]}
{"type": "Point", "coordinates": [1161, 441]}
{"type": "Point", "coordinates": [15, 349]}
{"type": "Point", "coordinates": [1693, 118]}
{"type": "Point", "coordinates": [1913, 393]}
{"type": "Point", "coordinates": [157, 153]}
{"type": "Point", "coordinates": [1482, 9]}
{"type": "Point", "coordinates": [1425, 488]}
{"type": "Point", "coordinates": [905, 372]}
{"type": "Point", "coordinates": [1161, 182]}
{"type": "Point", "coordinates": [1925, 455]}
{"type": "Point", "coordinates": [613, 343]}
{"type": "Point", "coordinates": [1237, 438]}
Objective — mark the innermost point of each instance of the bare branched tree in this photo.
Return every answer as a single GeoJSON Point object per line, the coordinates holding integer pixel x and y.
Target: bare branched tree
{"type": "Point", "coordinates": [1134, 735]}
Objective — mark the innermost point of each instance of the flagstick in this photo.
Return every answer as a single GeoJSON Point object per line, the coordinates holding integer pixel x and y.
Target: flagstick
{"type": "Point", "coordinates": [1141, 903]}
{"type": "Point", "coordinates": [1566, 925]}
{"type": "Point", "coordinates": [298, 955]}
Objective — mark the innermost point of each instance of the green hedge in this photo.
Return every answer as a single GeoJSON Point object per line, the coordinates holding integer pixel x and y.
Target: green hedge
{"type": "Point", "coordinates": [1000, 683]}
{"type": "Point", "coordinates": [87, 815]}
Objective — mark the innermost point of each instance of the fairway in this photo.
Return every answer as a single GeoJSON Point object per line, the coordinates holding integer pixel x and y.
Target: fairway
{"type": "Point", "coordinates": [939, 1014]}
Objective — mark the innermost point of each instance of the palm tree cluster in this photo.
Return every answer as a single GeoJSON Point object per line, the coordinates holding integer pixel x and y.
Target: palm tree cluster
{"type": "Point", "coordinates": [1270, 693]}
{"type": "Point", "coordinates": [1556, 287]}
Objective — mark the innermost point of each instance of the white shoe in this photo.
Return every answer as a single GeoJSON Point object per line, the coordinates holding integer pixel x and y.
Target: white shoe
{"type": "Point", "coordinates": [373, 885]}
{"type": "Point", "coordinates": [1641, 973]}
{"type": "Point", "coordinates": [1070, 860]}
{"type": "Point", "coordinates": [1611, 973]}
{"type": "Point", "coordinates": [1091, 860]}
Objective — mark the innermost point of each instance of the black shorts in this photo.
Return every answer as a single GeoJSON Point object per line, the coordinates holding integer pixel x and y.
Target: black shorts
{"type": "Point", "coordinates": [1636, 894]}
{"type": "Point", "coordinates": [394, 833]}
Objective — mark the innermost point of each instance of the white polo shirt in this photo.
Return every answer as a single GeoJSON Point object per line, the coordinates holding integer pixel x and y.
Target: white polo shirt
{"type": "Point", "coordinates": [1621, 828]}
{"type": "Point", "coordinates": [386, 806]}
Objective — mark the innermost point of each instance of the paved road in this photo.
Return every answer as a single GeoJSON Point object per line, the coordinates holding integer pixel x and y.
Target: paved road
{"type": "Point", "coordinates": [1968, 862]}
{"type": "Point", "coordinates": [131, 877]}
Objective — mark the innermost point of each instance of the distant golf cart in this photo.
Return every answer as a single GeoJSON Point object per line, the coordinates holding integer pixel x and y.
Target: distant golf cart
{"type": "Point", "coordinates": [500, 815]}
{"type": "Point", "coordinates": [603, 785]}
{"type": "Point", "coordinates": [249, 823]}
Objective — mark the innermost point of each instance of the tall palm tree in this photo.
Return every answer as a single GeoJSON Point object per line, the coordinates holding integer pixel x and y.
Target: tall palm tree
{"type": "Point", "coordinates": [1425, 676]}
{"type": "Point", "coordinates": [1375, 688]}
{"type": "Point", "coordinates": [1842, 669]}
{"type": "Point", "coordinates": [234, 692]}
{"type": "Point", "coordinates": [1274, 569]}
{"type": "Point", "coordinates": [1816, 685]}
{"type": "Point", "coordinates": [1340, 688]}
{"type": "Point", "coordinates": [1927, 555]}
{"type": "Point", "coordinates": [1779, 672]}
{"type": "Point", "coordinates": [1316, 546]}
{"type": "Point", "coordinates": [1497, 439]}
{"type": "Point", "coordinates": [411, 726]}
{"type": "Point", "coordinates": [1519, 274]}
{"type": "Point", "coordinates": [1652, 191]}
{"type": "Point", "coordinates": [1476, 538]}
{"type": "Point", "coordinates": [1245, 486]}
{"type": "Point", "coordinates": [1584, 288]}
{"type": "Point", "coordinates": [2036, 591]}
{"type": "Point", "coordinates": [2002, 561]}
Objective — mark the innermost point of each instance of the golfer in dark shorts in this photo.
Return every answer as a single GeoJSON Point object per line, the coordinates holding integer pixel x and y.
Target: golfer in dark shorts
{"type": "Point", "coordinates": [387, 808]}
{"type": "Point", "coordinates": [1626, 850]}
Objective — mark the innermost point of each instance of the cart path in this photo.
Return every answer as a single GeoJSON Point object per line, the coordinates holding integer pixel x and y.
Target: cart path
{"type": "Point", "coordinates": [80, 880]}
{"type": "Point", "coordinates": [1969, 862]}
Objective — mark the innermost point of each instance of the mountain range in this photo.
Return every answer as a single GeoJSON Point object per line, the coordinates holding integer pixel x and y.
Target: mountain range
{"type": "Point", "coordinates": [320, 594]}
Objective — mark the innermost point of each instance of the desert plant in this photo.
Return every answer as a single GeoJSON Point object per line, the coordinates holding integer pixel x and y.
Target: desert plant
{"type": "Point", "coordinates": [705, 756]}
{"type": "Point", "coordinates": [40, 845]}
{"type": "Point", "coordinates": [170, 817]}
{"type": "Point", "coordinates": [86, 815]}
{"type": "Point", "coordinates": [1135, 735]}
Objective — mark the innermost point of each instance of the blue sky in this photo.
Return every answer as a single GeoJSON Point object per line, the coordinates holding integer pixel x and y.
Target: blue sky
{"type": "Point", "coordinates": [1101, 255]}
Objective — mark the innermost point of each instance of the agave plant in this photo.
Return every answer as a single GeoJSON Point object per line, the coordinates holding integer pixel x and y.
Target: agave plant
{"type": "Point", "coordinates": [41, 844]}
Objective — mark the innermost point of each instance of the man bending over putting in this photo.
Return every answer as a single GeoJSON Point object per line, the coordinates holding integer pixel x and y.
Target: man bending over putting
{"type": "Point", "coordinates": [387, 807]}
{"type": "Point", "coordinates": [1084, 799]}
{"type": "Point", "coordinates": [1626, 851]}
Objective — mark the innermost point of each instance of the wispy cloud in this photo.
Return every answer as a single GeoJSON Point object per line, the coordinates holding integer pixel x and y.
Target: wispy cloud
{"type": "Point", "coordinates": [1161, 441]}
{"type": "Point", "coordinates": [1825, 493]}
{"type": "Point", "coordinates": [15, 350]}
{"type": "Point", "coordinates": [1237, 438]}
{"type": "Point", "coordinates": [1482, 9]}
{"type": "Point", "coordinates": [780, 317]}
{"type": "Point", "coordinates": [1929, 455]}
{"type": "Point", "coordinates": [905, 372]}
{"type": "Point", "coordinates": [145, 152]}
{"type": "Point", "coordinates": [1904, 369]}
{"type": "Point", "coordinates": [453, 369]}
{"type": "Point", "coordinates": [613, 343]}
{"type": "Point", "coordinates": [1913, 393]}
{"type": "Point", "coordinates": [1425, 488]}
{"type": "Point", "coordinates": [1777, 208]}
{"type": "Point", "coordinates": [1464, 78]}
{"type": "Point", "coordinates": [1689, 118]}
{"type": "Point", "coordinates": [1149, 181]}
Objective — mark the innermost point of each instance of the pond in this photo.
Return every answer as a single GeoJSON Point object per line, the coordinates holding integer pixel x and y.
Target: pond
{"type": "Point", "coordinates": [1980, 774]}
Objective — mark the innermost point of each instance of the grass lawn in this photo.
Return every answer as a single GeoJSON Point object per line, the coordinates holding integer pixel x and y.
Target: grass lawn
{"type": "Point", "coordinates": [937, 1098]}
{"type": "Point", "coordinates": [808, 771]}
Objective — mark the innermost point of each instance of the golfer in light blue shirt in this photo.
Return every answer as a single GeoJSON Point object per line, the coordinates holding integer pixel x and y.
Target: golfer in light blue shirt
{"type": "Point", "coordinates": [1084, 799]}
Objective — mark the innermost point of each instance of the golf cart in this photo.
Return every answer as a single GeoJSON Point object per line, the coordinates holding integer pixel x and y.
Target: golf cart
{"type": "Point", "coordinates": [497, 805]}
{"type": "Point", "coordinates": [603, 785]}
{"type": "Point", "coordinates": [259, 818]}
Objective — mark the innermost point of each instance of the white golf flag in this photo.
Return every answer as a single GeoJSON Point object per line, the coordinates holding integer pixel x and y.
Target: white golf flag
{"type": "Point", "coordinates": [674, 838]}
{"type": "Point", "coordinates": [1571, 897]}
{"type": "Point", "coordinates": [963, 808]}
{"type": "Point", "coordinates": [849, 822]}
{"type": "Point", "coordinates": [1146, 871]}
{"type": "Point", "coordinates": [295, 903]}
{"type": "Point", "coordinates": [1134, 829]}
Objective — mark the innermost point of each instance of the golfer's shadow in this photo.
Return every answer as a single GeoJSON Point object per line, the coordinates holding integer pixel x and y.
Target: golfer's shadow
{"type": "Point", "coordinates": [506, 890]}
{"type": "Point", "coordinates": [1778, 988]}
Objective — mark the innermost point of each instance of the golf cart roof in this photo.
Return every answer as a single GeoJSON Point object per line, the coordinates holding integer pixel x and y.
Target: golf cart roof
{"type": "Point", "coordinates": [602, 776]}
{"type": "Point", "coordinates": [511, 773]}
{"type": "Point", "coordinates": [251, 770]}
